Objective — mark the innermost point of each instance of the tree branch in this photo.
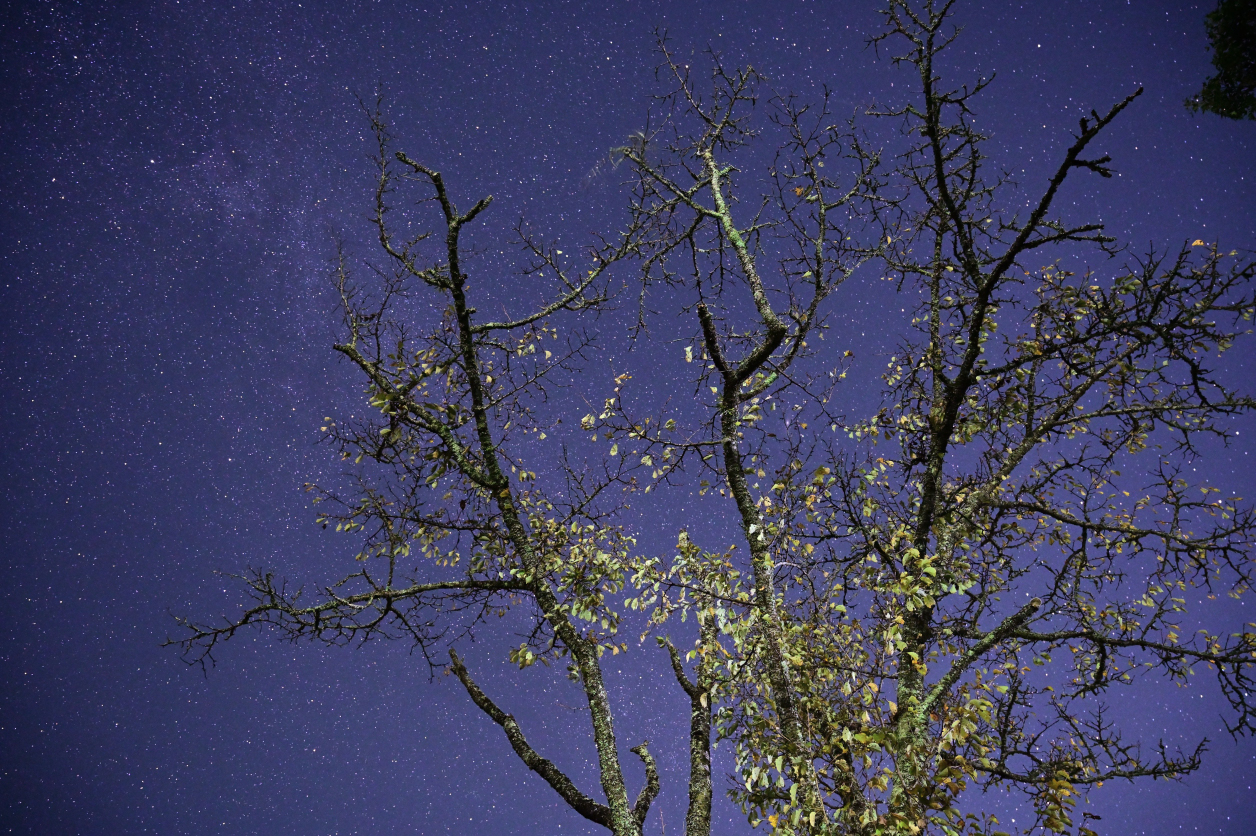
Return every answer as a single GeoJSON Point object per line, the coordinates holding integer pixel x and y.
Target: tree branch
{"type": "Point", "coordinates": [578, 801]}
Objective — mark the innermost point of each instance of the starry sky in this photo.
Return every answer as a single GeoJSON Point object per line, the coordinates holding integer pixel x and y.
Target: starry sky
{"type": "Point", "coordinates": [176, 175]}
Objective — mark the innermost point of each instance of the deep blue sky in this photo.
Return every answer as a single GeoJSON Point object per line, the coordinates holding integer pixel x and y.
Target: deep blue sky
{"type": "Point", "coordinates": [174, 177]}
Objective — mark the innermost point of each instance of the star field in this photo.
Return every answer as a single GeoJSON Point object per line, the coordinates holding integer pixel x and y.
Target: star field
{"type": "Point", "coordinates": [177, 177]}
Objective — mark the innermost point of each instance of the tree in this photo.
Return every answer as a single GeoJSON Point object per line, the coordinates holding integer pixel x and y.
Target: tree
{"type": "Point", "coordinates": [931, 599]}
{"type": "Point", "coordinates": [1232, 34]}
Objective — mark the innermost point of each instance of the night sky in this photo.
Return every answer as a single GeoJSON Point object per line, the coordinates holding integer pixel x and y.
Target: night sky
{"type": "Point", "coordinates": [176, 175]}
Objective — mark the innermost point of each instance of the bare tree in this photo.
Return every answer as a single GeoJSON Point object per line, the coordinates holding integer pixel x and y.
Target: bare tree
{"type": "Point", "coordinates": [907, 607]}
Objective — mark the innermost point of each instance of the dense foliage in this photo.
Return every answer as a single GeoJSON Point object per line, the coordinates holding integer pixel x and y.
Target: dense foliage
{"type": "Point", "coordinates": [1232, 34]}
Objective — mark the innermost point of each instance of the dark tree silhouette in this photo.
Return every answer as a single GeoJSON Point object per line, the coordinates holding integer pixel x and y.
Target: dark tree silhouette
{"type": "Point", "coordinates": [1232, 34]}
